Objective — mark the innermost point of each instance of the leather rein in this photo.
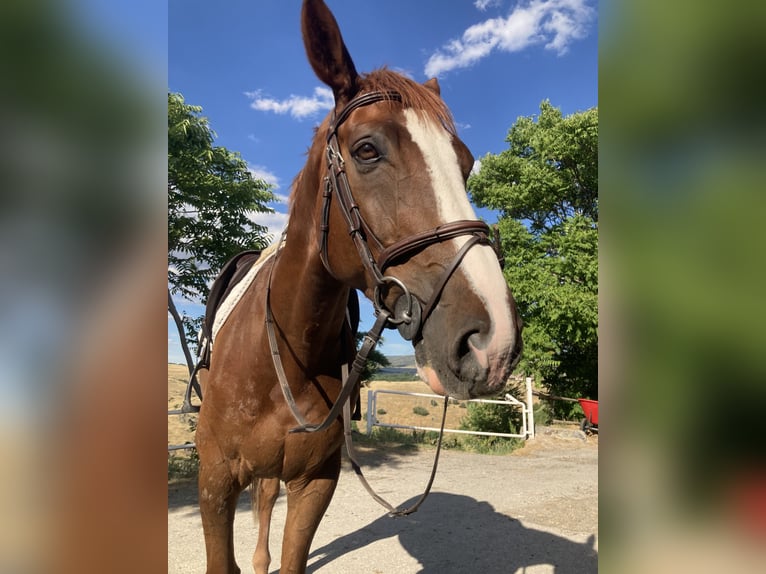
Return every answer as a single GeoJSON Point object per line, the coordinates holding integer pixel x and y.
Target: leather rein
{"type": "Point", "coordinates": [408, 314]}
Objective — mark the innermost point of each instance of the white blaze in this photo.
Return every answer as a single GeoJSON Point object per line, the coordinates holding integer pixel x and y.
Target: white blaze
{"type": "Point", "coordinates": [480, 263]}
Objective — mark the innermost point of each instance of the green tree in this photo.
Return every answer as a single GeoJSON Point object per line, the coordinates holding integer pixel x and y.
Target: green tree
{"type": "Point", "coordinates": [211, 197]}
{"type": "Point", "coordinates": [545, 187]}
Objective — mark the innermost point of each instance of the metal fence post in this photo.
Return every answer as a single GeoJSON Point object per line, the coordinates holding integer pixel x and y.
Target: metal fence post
{"type": "Point", "coordinates": [530, 409]}
{"type": "Point", "coordinates": [370, 410]}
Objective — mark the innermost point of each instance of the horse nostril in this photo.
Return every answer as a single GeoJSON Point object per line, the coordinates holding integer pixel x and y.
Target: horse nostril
{"type": "Point", "coordinates": [471, 361]}
{"type": "Point", "coordinates": [478, 346]}
{"type": "Point", "coordinates": [463, 346]}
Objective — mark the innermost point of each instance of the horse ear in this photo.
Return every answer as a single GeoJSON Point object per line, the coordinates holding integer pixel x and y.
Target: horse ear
{"type": "Point", "coordinates": [433, 85]}
{"type": "Point", "coordinates": [326, 50]}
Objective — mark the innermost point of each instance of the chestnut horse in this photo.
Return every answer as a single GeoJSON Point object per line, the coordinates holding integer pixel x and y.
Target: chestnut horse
{"type": "Point", "coordinates": [381, 207]}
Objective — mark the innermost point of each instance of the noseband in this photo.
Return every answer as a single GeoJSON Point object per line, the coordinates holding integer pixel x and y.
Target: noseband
{"type": "Point", "coordinates": [408, 316]}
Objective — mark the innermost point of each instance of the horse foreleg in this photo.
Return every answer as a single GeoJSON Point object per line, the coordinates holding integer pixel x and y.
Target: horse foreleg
{"type": "Point", "coordinates": [307, 501]}
{"type": "Point", "coordinates": [265, 493]}
{"type": "Point", "coordinates": [218, 495]}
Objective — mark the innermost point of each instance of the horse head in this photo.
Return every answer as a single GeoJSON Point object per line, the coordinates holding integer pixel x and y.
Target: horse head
{"type": "Point", "coordinates": [393, 218]}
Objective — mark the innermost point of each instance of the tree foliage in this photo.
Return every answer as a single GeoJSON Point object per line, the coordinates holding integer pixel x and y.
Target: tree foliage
{"type": "Point", "coordinates": [545, 186]}
{"type": "Point", "coordinates": [211, 198]}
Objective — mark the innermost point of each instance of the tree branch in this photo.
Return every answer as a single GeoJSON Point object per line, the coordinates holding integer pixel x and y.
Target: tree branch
{"type": "Point", "coordinates": [181, 333]}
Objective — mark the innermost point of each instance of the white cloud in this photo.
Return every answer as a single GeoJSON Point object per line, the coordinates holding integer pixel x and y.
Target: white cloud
{"type": "Point", "coordinates": [476, 167]}
{"type": "Point", "coordinates": [484, 4]}
{"type": "Point", "coordinates": [263, 173]}
{"type": "Point", "coordinates": [554, 23]}
{"type": "Point", "coordinates": [275, 222]}
{"type": "Point", "coordinates": [281, 198]}
{"type": "Point", "coordinates": [297, 106]}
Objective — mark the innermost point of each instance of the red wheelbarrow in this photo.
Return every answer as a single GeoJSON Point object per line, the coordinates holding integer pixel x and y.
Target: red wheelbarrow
{"type": "Point", "coordinates": [590, 423]}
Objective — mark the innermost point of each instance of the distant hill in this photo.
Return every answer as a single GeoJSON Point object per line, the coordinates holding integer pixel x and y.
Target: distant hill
{"type": "Point", "coordinates": [402, 361]}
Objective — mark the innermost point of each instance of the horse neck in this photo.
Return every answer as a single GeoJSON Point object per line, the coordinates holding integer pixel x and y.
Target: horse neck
{"type": "Point", "coordinates": [308, 303]}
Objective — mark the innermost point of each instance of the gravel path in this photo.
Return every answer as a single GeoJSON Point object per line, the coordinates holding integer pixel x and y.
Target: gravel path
{"type": "Point", "coordinates": [532, 512]}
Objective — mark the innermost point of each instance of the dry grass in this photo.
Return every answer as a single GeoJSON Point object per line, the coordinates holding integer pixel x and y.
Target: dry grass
{"type": "Point", "coordinates": [179, 431]}
{"type": "Point", "coordinates": [399, 409]}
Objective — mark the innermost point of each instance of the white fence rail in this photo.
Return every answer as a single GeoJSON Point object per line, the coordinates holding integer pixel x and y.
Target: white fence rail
{"type": "Point", "coordinates": [186, 445]}
{"type": "Point", "coordinates": [527, 414]}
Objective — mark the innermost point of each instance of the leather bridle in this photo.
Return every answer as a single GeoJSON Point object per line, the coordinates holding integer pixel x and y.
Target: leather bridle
{"type": "Point", "coordinates": [408, 315]}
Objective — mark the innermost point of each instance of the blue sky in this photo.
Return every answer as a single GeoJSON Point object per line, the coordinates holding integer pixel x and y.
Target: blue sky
{"type": "Point", "coordinates": [243, 61]}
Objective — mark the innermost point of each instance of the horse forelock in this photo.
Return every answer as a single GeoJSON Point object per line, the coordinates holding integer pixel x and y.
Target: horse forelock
{"type": "Point", "coordinates": [423, 101]}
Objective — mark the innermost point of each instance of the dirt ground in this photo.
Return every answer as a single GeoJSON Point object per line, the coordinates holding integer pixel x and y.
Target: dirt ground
{"type": "Point", "coordinates": [533, 512]}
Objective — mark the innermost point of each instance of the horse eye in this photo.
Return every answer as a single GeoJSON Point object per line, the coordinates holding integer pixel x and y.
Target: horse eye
{"type": "Point", "coordinates": [367, 153]}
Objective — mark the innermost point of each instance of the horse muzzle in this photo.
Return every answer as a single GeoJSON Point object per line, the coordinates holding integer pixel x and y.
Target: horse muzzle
{"type": "Point", "coordinates": [468, 356]}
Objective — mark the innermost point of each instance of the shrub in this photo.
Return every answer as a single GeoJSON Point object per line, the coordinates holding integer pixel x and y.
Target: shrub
{"type": "Point", "coordinates": [488, 417]}
{"type": "Point", "coordinates": [418, 410]}
{"type": "Point", "coordinates": [183, 465]}
{"type": "Point", "coordinates": [542, 412]}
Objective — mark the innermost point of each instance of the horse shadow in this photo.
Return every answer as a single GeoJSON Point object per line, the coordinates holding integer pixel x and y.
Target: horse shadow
{"type": "Point", "coordinates": [453, 534]}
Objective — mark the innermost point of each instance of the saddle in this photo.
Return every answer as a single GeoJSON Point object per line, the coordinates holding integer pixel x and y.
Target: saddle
{"type": "Point", "coordinates": [230, 275]}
